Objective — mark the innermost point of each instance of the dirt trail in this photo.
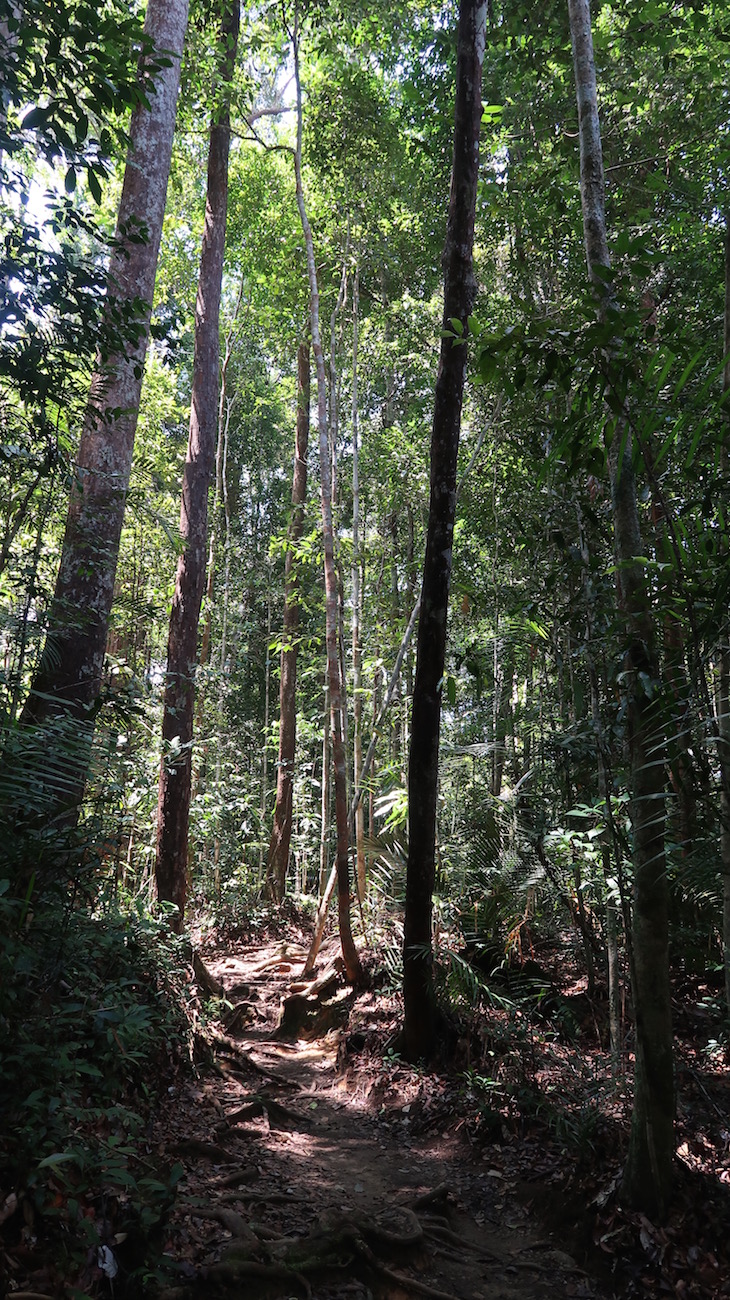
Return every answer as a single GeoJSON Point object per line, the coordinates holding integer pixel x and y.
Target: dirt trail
{"type": "Point", "coordinates": [322, 1151]}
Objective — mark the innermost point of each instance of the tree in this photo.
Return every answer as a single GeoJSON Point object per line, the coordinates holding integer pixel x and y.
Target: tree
{"type": "Point", "coordinates": [723, 692]}
{"type": "Point", "coordinates": [420, 1026]}
{"type": "Point", "coordinates": [648, 1173]}
{"type": "Point", "coordinates": [278, 855]}
{"type": "Point", "coordinates": [179, 704]}
{"type": "Point", "coordinates": [334, 676]}
{"type": "Point", "coordinates": [68, 681]}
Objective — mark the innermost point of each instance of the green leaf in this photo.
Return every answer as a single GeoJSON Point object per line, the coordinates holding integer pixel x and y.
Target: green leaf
{"type": "Point", "coordinates": [94, 184]}
{"type": "Point", "coordinates": [58, 1158]}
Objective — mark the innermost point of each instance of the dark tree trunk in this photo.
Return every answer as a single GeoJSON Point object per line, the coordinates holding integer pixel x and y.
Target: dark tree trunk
{"type": "Point", "coordinates": [648, 1174]}
{"type": "Point", "coordinates": [67, 683]}
{"type": "Point", "coordinates": [420, 1027]}
{"type": "Point", "coordinates": [723, 694]}
{"type": "Point", "coordinates": [278, 856]}
{"type": "Point", "coordinates": [177, 721]}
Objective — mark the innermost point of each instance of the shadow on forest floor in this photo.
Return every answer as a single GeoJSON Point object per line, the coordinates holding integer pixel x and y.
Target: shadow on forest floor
{"type": "Point", "coordinates": [518, 1170]}
{"type": "Point", "coordinates": [303, 1157]}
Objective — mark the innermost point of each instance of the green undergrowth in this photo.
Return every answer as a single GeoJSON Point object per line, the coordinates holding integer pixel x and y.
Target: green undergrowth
{"type": "Point", "coordinates": [97, 1016]}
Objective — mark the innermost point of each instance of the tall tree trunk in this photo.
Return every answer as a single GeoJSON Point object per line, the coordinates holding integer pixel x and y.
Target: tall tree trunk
{"type": "Point", "coordinates": [604, 794]}
{"type": "Point", "coordinates": [324, 823]}
{"type": "Point", "coordinates": [339, 763]}
{"type": "Point", "coordinates": [723, 710]}
{"type": "Point", "coordinates": [224, 418]}
{"type": "Point", "coordinates": [647, 1176]}
{"type": "Point", "coordinates": [278, 856]}
{"type": "Point", "coordinates": [67, 683]}
{"type": "Point", "coordinates": [420, 1027]}
{"type": "Point", "coordinates": [356, 597]}
{"type": "Point", "coordinates": [179, 706]}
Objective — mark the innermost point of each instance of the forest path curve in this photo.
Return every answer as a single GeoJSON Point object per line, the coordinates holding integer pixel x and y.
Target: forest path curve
{"type": "Point", "coordinates": [293, 1153]}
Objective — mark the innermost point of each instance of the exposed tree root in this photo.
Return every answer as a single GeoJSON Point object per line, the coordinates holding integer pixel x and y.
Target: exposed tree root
{"type": "Point", "coordinates": [401, 1279]}
{"type": "Point", "coordinates": [305, 1016]}
{"type": "Point", "coordinates": [263, 1198]}
{"type": "Point", "coordinates": [231, 1270]}
{"type": "Point", "coordinates": [204, 1151]}
{"type": "Point", "coordinates": [453, 1239]}
{"type": "Point", "coordinates": [231, 1050]}
{"type": "Point", "coordinates": [258, 1104]}
{"type": "Point", "coordinates": [236, 1019]}
{"type": "Point", "coordinates": [30, 1295]}
{"type": "Point", "coordinates": [230, 1220]}
{"type": "Point", "coordinates": [285, 957]}
{"type": "Point", "coordinates": [439, 1193]}
{"type": "Point", "coordinates": [249, 1174]}
{"type": "Point", "coordinates": [207, 982]}
{"type": "Point", "coordinates": [397, 1226]}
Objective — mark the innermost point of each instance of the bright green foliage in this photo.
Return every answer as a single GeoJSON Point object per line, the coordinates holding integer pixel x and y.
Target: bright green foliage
{"type": "Point", "coordinates": [533, 627]}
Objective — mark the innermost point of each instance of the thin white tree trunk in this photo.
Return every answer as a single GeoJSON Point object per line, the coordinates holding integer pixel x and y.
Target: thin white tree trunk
{"type": "Point", "coordinates": [336, 687]}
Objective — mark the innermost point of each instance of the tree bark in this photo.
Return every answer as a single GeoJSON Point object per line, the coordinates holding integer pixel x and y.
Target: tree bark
{"type": "Point", "coordinates": [647, 1176]}
{"type": "Point", "coordinates": [723, 710]}
{"type": "Point", "coordinates": [350, 955]}
{"type": "Point", "coordinates": [420, 1027]}
{"type": "Point", "coordinates": [67, 683]}
{"type": "Point", "coordinates": [356, 597]}
{"type": "Point", "coordinates": [179, 705]}
{"type": "Point", "coordinates": [278, 856]}
{"type": "Point", "coordinates": [605, 794]}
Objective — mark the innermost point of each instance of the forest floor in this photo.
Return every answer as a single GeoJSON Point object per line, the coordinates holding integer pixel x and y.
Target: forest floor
{"type": "Point", "coordinates": [300, 1156]}
{"type": "Point", "coordinates": [318, 1163]}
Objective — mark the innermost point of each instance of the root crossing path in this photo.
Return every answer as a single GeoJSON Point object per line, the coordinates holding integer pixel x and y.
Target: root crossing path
{"type": "Point", "coordinates": [307, 1173]}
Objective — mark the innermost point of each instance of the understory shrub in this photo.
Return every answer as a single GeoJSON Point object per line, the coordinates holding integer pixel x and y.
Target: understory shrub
{"type": "Point", "coordinates": [96, 1017]}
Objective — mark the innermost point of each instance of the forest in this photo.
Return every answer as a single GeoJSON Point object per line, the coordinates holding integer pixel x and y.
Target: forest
{"type": "Point", "coordinates": [364, 649]}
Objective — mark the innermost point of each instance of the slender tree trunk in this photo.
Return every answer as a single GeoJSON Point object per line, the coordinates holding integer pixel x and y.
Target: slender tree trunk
{"type": "Point", "coordinates": [327, 890]}
{"type": "Point", "coordinates": [324, 826]}
{"type": "Point", "coordinates": [420, 1026]}
{"type": "Point", "coordinates": [503, 687]}
{"type": "Point", "coordinates": [267, 720]}
{"type": "Point", "coordinates": [647, 1176]}
{"type": "Point", "coordinates": [339, 763]}
{"type": "Point", "coordinates": [67, 683]}
{"type": "Point", "coordinates": [278, 856]}
{"type": "Point", "coordinates": [224, 418]}
{"type": "Point", "coordinates": [614, 977]}
{"type": "Point", "coordinates": [527, 725]}
{"type": "Point", "coordinates": [179, 705]}
{"type": "Point", "coordinates": [604, 793]}
{"type": "Point", "coordinates": [356, 598]}
{"type": "Point", "coordinates": [723, 710]}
